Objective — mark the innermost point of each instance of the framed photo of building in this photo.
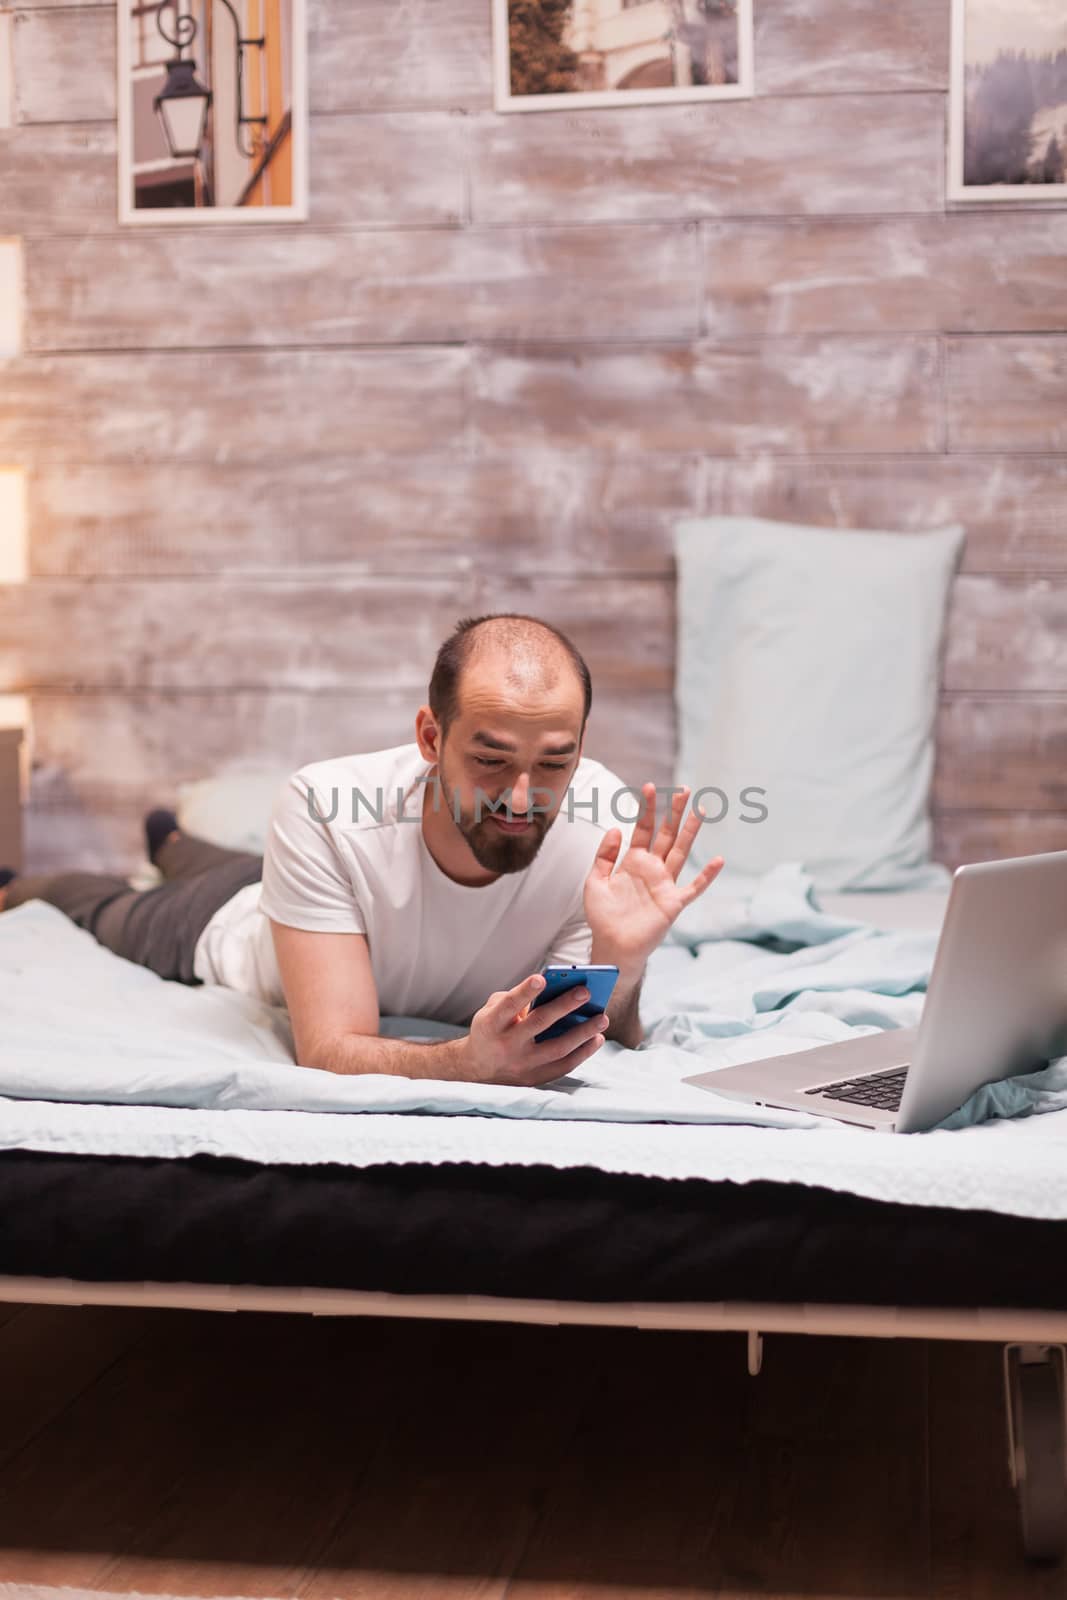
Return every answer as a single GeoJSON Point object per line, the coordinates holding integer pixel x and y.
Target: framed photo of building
{"type": "Point", "coordinates": [551, 55]}
{"type": "Point", "coordinates": [212, 111]}
{"type": "Point", "coordinates": [1008, 100]}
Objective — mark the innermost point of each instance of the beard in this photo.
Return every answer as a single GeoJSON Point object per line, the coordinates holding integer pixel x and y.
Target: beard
{"type": "Point", "coordinates": [493, 849]}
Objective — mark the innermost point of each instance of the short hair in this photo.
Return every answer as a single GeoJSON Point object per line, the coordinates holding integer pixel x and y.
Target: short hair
{"type": "Point", "coordinates": [504, 629]}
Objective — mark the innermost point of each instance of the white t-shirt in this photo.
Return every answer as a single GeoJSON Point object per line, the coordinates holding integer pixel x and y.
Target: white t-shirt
{"type": "Point", "coordinates": [438, 948]}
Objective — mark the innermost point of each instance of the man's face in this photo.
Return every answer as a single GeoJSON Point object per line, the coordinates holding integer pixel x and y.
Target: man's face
{"type": "Point", "coordinates": [515, 751]}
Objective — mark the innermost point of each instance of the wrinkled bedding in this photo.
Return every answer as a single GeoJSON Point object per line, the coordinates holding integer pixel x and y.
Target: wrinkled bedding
{"type": "Point", "coordinates": [100, 1056]}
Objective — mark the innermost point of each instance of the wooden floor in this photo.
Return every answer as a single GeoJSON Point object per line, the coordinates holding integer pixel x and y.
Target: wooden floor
{"type": "Point", "coordinates": [198, 1453]}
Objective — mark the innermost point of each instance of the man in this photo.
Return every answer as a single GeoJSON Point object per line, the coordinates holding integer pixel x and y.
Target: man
{"type": "Point", "coordinates": [433, 879]}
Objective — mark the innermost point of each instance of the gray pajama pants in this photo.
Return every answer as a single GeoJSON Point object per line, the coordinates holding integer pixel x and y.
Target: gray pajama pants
{"type": "Point", "coordinates": [157, 928]}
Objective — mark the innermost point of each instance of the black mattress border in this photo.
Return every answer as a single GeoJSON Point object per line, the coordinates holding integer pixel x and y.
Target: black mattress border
{"type": "Point", "coordinates": [518, 1232]}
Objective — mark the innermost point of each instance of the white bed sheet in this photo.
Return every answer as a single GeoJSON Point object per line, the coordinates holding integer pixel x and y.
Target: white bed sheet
{"type": "Point", "coordinates": [103, 1057]}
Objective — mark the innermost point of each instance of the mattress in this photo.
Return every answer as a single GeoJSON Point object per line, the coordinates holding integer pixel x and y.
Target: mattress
{"type": "Point", "coordinates": [529, 1229]}
{"type": "Point", "coordinates": [522, 1232]}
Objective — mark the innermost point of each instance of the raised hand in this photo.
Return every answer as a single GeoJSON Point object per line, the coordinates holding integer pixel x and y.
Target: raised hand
{"type": "Point", "coordinates": [630, 908]}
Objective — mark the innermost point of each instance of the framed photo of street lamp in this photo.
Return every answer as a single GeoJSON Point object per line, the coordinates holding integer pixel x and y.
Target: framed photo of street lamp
{"type": "Point", "coordinates": [212, 111]}
{"type": "Point", "coordinates": [554, 55]}
{"type": "Point", "coordinates": [1008, 100]}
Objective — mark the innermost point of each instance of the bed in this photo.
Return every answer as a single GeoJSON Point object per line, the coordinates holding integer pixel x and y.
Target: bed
{"type": "Point", "coordinates": [529, 1219]}
{"type": "Point", "coordinates": [158, 1146]}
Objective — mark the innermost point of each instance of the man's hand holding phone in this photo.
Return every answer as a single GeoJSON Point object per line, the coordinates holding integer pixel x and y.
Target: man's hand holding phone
{"type": "Point", "coordinates": [501, 1047]}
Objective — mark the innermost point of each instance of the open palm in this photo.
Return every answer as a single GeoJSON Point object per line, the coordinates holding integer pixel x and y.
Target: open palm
{"type": "Point", "coordinates": [630, 908]}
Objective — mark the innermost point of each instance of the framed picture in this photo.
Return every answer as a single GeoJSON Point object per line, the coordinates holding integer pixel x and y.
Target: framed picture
{"type": "Point", "coordinates": [1008, 100]}
{"type": "Point", "coordinates": [554, 54]}
{"type": "Point", "coordinates": [212, 111]}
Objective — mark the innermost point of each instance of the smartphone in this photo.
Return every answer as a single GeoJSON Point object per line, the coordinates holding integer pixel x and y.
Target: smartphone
{"type": "Point", "coordinates": [600, 981]}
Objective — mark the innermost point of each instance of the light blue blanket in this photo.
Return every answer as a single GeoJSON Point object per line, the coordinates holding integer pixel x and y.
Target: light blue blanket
{"type": "Point", "coordinates": [744, 975]}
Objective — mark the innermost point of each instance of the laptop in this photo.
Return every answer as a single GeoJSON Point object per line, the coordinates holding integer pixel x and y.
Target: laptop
{"type": "Point", "coordinates": [996, 1005]}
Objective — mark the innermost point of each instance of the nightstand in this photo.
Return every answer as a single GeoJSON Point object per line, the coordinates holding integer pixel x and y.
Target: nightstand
{"type": "Point", "coordinates": [10, 797]}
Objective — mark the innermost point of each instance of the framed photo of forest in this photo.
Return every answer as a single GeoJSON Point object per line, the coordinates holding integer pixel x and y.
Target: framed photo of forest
{"type": "Point", "coordinates": [1008, 100]}
{"type": "Point", "coordinates": [551, 55]}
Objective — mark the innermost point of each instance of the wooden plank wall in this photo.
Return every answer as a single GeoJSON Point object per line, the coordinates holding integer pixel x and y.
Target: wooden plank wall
{"type": "Point", "coordinates": [269, 467]}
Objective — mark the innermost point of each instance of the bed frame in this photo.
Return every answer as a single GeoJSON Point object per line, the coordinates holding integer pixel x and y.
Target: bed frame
{"type": "Point", "coordinates": [1034, 1345]}
{"type": "Point", "coordinates": [1034, 1342]}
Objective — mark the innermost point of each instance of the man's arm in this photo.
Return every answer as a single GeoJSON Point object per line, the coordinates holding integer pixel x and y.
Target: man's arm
{"type": "Point", "coordinates": [575, 944]}
{"type": "Point", "coordinates": [625, 1026]}
{"type": "Point", "coordinates": [328, 981]}
{"type": "Point", "coordinates": [356, 1052]}
{"type": "Point", "coordinates": [333, 1007]}
{"type": "Point", "coordinates": [632, 899]}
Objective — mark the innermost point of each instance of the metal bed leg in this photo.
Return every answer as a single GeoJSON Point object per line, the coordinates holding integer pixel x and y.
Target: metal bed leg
{"type": "Point", "coordinates": [1035, 1392]}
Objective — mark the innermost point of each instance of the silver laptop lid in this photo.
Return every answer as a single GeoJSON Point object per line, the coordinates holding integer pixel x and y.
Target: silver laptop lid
{"type": "Point", "coordinates": [996, 1001]}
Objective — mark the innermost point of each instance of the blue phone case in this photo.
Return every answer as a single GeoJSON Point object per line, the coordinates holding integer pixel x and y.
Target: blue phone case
{"type": "Point", "coordinates": [600, 981]}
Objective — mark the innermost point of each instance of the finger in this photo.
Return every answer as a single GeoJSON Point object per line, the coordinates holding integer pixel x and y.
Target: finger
{"type": "Point", "coordinates": [505, 1006]}
{"type": "Point", "coordinates": [642, 833]}
{"type": "Point", "coordinates": [559, 1069]}
{"type": "Point", "coordinates": [668, 830]}
{"type": "Point", "coordinates": [702, 881]}
{"type": "Point", "coordinates": [567, 1043]}
{"type": "Point", "coordinates": [607, 855]}
{"type": "Point", "coordinates": [679, 854]}
{"type": "Point", "coordinates": [540, 1017]}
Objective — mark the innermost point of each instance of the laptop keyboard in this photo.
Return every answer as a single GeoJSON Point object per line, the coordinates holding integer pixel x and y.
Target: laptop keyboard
{"type": "Point", "coordinates": [880, 1089]}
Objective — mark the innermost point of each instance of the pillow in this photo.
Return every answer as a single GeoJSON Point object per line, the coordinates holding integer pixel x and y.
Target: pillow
{"type": "Point", "coordinates": [808, 666]}
{"type": "Point", "coordinates": [234, 809]}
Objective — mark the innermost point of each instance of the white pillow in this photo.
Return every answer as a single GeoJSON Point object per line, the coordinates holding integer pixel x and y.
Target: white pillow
{"type": "Point", "coordinates": [808, 666]}
{"type": "Point", "coordinates": [233, 809]}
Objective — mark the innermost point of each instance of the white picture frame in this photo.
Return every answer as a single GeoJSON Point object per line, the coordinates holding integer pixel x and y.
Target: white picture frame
{"type": "Point", "coordinates": [629, 43]}
{"type": "Point", "coordinates": [240, 166]}
{"type": "Point", "coordinates": [977, 26]}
